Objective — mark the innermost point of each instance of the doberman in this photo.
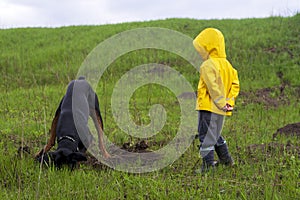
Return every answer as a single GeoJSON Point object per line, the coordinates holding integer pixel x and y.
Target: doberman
{"type": "Point", "coordinates": [70, 126]}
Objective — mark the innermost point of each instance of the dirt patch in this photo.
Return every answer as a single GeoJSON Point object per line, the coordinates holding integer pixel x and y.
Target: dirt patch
{"type": "Point", "coordinates": [159, 71]}
{"type": "Point", "coordinates": [187, 95]}
{"type": "Point", "coordinates": [279, 50]}
{"type": "Point", "coordinates": [288, 130]}
{"type": "Point", "coordinates": [95, 163]}
{"type": "Point", "coordinates": [24, 150]}
{"type": "Point", "coordinates": [268, 97]}
{"type": "Point", "coordinates": [272, 97]}
{"type": "Point", "coordinates": [273, 148]}
{"type": "Point", "coordinates": [139, 147]}
{"type": "Point", "coordinates": [128, 153]}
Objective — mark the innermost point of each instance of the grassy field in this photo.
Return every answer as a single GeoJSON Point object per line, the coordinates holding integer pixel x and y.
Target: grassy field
{"type": "Point", "coordinates": [37, 63]}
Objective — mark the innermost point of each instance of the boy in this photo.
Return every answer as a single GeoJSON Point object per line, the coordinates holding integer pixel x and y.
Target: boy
{"type": "Point", "coordinates": [217, 89]}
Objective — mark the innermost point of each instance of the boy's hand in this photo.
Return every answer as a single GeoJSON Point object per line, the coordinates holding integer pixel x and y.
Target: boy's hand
{"type": "Point", "coordinates": [227, 108]}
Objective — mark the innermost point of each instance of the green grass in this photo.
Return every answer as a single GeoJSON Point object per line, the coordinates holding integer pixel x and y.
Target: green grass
{"type": "Point", "coordinates": [37, 63]}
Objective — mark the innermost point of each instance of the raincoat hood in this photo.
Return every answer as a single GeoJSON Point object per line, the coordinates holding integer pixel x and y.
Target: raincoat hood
{"type": "Point", "coordinates": [219, 83]}
{"type": "Point", "coordinates": [210, 42]}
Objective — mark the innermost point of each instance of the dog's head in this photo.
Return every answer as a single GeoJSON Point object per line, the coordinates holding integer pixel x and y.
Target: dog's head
{"type": "Point", "coordinates": [62, 156]}
{"type": "Point", "coordinates": [66, 156]}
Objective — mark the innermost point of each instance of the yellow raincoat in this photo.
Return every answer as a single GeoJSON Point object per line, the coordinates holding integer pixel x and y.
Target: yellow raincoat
{"type": "Point", "coordinates": [219, 83]}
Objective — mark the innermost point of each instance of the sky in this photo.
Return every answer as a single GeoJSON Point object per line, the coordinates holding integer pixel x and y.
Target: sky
{"type": "Point", "coordinates": [56, 13]}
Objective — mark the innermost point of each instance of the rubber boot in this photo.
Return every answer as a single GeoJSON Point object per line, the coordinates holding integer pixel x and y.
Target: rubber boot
{"type": "Point", "coordinates": [224, 155]}
{"type": "Point", "coordinates": [208, 163]}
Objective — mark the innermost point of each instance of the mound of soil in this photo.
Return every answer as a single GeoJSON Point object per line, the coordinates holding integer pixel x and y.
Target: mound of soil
{"type": "Point", "coordinates": [288, 130]}
{"type": "Point", "coordinates": [139, 147]}
{"type": "Point", "coordinates": [275, 148]}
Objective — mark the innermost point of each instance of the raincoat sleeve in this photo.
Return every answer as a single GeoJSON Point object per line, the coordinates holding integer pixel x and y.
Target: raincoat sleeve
{"type": "Point", "coordinates": [213, 81]}
{"type": "Point", "coordinates": [235, 89]}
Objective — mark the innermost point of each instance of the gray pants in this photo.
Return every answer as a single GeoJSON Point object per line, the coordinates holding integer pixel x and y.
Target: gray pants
{"type": "Point", "coordinates": [209, 128]}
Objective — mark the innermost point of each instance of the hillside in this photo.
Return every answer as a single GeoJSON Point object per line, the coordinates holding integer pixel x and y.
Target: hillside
{"type": "Point", "coordinates": [257, 48]}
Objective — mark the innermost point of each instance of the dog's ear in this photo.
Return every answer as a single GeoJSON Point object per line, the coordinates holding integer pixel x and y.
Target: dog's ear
{"type": "Point", "coordinates": [57, 157]}
{"type": "Point", "coordinates": [78, 156]}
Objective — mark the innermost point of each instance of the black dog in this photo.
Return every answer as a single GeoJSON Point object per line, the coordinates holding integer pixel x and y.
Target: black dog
{"type": "Point", "coordinates": [70, 126]}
